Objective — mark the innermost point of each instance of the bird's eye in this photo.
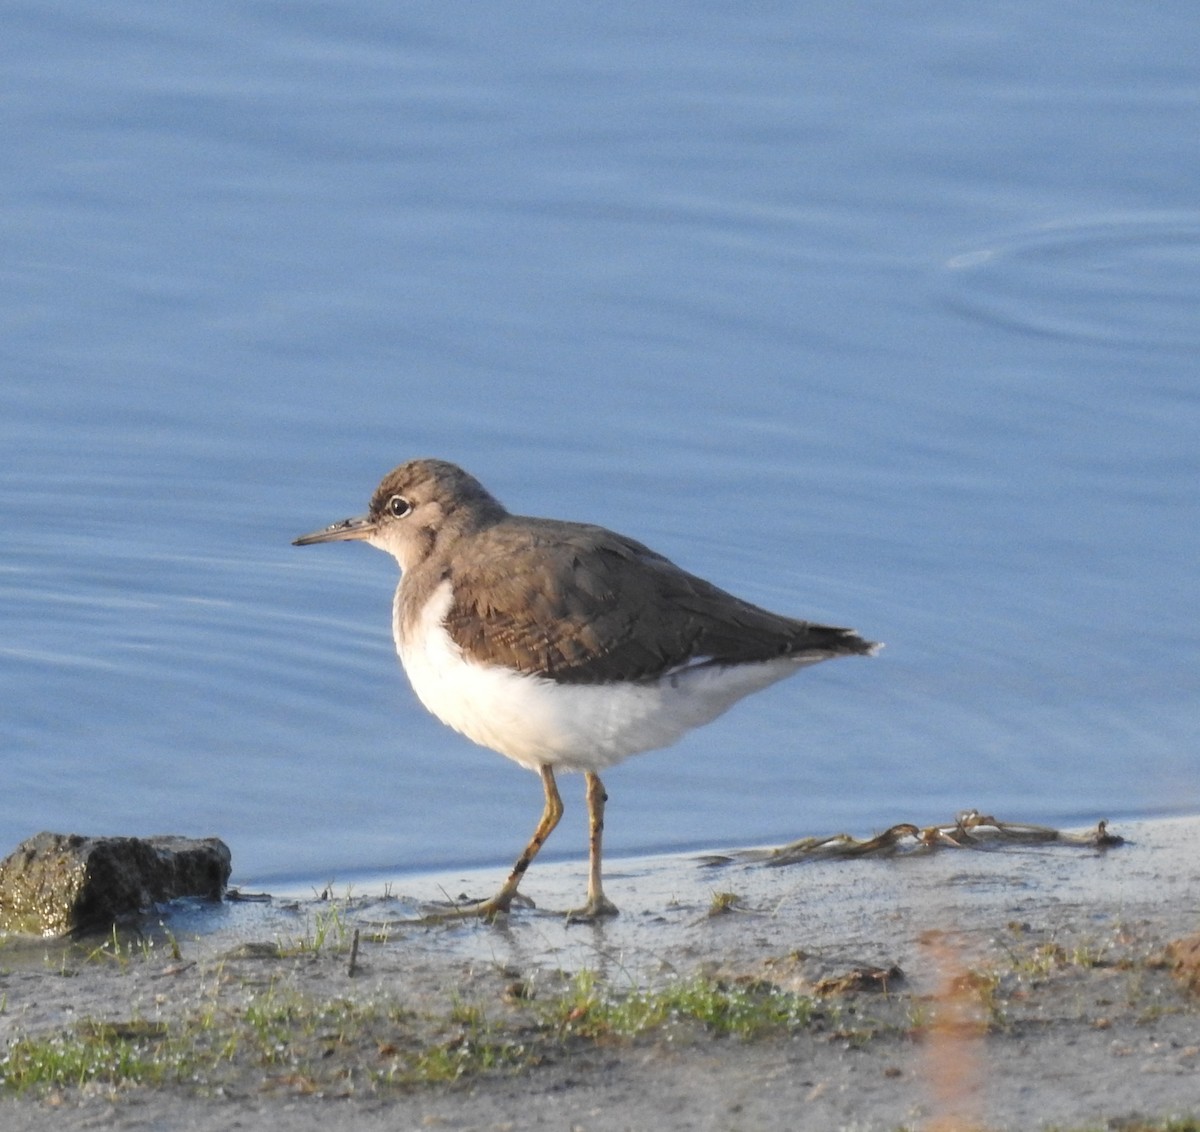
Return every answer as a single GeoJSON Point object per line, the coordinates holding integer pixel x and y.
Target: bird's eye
{"type": "Point", "coordinates": [398, 506]}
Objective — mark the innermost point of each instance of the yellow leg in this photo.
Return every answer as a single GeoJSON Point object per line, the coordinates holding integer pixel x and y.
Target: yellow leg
{"type": "Point", "coordinates": [551, 813]}
{"type": "Point", "coordinates": [597, 903]}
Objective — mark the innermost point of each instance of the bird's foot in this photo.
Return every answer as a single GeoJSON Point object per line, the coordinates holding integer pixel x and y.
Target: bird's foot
{"type": "Point", "coordinates": [491, 909]}
{"type": "Point", "coordinates": [598, 907]}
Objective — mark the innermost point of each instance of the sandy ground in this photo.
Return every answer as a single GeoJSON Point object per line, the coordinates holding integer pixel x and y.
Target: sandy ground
{"type": "Point", "coordinates": [1028, 988]}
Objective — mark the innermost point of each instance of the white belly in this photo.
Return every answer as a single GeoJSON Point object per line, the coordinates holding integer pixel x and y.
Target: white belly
{"type": "Point", "coordinates": [537, 722]}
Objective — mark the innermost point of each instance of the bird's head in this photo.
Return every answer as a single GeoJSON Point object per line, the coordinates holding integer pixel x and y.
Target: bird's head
{"type": "Point", "coordinates": [420, 506]}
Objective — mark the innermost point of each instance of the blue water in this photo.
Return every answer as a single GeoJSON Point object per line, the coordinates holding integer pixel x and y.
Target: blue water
{"type": "Point", "coordinates": [877, 315]}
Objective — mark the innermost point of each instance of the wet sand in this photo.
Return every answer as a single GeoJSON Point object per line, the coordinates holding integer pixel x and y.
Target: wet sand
{"type": "Point", "coordinates": [1018, 988]}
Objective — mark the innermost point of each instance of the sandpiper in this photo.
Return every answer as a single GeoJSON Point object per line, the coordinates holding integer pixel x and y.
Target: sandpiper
{"type": "Point", "coordinates": [563, 646]}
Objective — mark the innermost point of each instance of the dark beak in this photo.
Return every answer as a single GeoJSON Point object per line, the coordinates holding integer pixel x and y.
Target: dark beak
{"type": "Point", "coordinates": [347, 530]}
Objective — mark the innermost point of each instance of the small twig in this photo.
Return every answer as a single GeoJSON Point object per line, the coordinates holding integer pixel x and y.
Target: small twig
{"type": "Point", "coordinates": [970, 830]}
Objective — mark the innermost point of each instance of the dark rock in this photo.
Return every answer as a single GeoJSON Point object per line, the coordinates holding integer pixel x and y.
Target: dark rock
{"type": "Point", "coordinates": [56, 883]}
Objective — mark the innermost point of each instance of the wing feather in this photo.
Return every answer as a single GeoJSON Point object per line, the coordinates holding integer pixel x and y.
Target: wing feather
{"type": "Point", "coordinates": [611, 609]}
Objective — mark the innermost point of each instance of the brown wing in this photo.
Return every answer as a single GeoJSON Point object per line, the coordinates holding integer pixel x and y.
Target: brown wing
{"type": "Point", "coordinates": [611, 609]}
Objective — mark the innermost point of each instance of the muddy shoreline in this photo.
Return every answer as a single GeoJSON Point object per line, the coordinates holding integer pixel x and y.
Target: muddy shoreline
{"type": "Point", "coordinates": [1017, 988]}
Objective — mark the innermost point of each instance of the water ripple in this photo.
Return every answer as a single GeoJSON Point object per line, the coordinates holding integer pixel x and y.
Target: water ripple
{"type": "Point", "coordinates": [1124, 281]}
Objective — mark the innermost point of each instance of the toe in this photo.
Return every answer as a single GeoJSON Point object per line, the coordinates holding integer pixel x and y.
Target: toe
{"type": "Point", "coordinates": [597, 908]}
